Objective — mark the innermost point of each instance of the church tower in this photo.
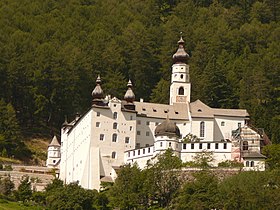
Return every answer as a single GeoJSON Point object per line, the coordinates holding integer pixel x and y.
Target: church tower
{"type": "Point", "coordinates": [180, 89]}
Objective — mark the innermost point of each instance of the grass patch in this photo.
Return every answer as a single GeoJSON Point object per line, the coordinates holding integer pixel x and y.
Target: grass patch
{"type": "Point", "coordinates": [9, 205]}
{"type": "Point", "coordinates": [9, 161]}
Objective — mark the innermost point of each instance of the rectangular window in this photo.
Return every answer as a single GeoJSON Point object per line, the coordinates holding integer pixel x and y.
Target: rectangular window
{"type": "Point", "coordinates": [208, 146]}
{"type": "Point", "coordinates": [138, 133]}
{"type": "Point", "coordinates": [143, 151]}
{"type": "Point", "coordinates": [138, 152]}
{"type": "Point", "coordinates": [192, 146]}
{"type": "Point", "coordinates": [149, 150]}
{"type": "Point", "coordinates": [130, 128]}
{"type": "Point", "coordinates": [147, 123]}
{"type": "Point", "coordinates": [160, 144]}
{"type": "Point", "coordinates": [184, 146]}
{"type": "Point", "coordinates": [127, 140]}
{"type": "Point", "coordinates": [101, 137]}
{"type": "Point", "coordinates": [139, 122]}
{"type": "Point", "coordinates": [239, 125]}
{"type": "Point", "coordinates": [137, 145]}
{"type": "Point", "coordinates": [97, 124]}
{"type": "Point", "coordinates": [131, 117]}
{"type": "Point", "coordinates": [147, 133]}
{"type": "Point", "coordinates": [98, 114]}
{"type": "Point", "coordinates": [200, 145]}
{"type": "Point", "coordinates": [128, 154]}
{"type": "Point", "coordinates": [216, 145]}
{"type": "Point", "coordinates": [147, 145]}
{"type": "Point", "coordinates": [133, 153]}
{"type": "Point", "coordinates": [169, 144]}
{"type": "Point", "coordinates": [114, 137]}
{"type": "Point", "coordinates": [225, 145]}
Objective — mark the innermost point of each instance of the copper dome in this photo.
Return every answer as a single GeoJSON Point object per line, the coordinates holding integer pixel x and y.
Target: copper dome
{"type": "Point", "coordinates": [180, 56]}
{"type": "Point", "coordinates": [167, 128]}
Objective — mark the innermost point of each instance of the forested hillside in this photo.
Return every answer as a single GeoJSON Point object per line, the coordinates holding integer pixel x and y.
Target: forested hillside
{"type": "Point", "coordinates": [52, 51]}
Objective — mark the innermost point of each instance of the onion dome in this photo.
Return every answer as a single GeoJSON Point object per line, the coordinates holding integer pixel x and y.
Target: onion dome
{"type": "Point", "coordinates": [97, 93]}
{"type": "Point", "coordinates": [167, 128]}
{"type": "Point", "coordinates": [180, 56]}
{"type": "Point", "coordinates": [129, 95]}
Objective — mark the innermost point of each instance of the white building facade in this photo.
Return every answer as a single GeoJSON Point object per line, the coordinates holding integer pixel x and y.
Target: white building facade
{"type": "Point", "coordinates": [114, 132]}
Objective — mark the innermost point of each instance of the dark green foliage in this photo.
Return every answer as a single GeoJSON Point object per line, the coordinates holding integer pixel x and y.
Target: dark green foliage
{"type": "Point", "coordinates": [6, 186]}
{"type": "Point", "coordinates": [71, 196]}
{"type": "Point", "coordinates": [52, 52]}
{"type": "Point", "coordinates": [152, 187]}
{"type": "Point", "coordinates": [198, 194]}
{"type": "Point", "coordinates": [272, 152]}
{"type": "Point", "coordinates": [24, 191]}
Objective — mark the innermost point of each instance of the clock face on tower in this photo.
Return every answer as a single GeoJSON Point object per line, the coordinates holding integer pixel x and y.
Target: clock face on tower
{"type": "Point", "coordinates": [181, 99]}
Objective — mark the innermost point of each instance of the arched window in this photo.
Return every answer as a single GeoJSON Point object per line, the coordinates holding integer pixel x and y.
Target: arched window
{"type": "Point", "coordinates": [114, 155]}
{"type": "Point", "coordinates": [252, 164]}
{"type": "Point", "coordinates": [245, 145]}
{"type": "Point", "coordinates": [114, 137]}
{"type": "Point", "coordinates": [181, 91]}
{"type": "Point", "coordinates": [115, 115]}
{"type": "Point", "coordinates": [115, 125]}
{"type": "Point", "coordinates": [202, 129]}
{"type": "Point", "coordinates": [247, 163]}
{"type": "Point", "coordinates": [182, 76]}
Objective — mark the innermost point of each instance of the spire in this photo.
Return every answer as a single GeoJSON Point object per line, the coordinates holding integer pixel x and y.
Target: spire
{"type": "Point", "coordinates": [180, 56]}
{"type": "Point", "coordinates": [54, 142]}
{"type": "Point", "coordinates": [129, 95]}
{"type": "Point", "coordinates": [97, 93]}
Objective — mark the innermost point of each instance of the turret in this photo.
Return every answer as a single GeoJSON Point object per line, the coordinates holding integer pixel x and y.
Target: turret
{"type": "Point", "coordinates": [53, 159]}
{"type": "Point", "coordinates": [97, 93]}
{"type": "Point", "coordinates": [180, 88]}
{"type": "Point", "coordinates": [129, 97]}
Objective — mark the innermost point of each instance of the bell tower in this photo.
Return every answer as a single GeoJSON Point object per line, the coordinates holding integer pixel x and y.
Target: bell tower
{"type": "Point", "coordinates": [180, 88]}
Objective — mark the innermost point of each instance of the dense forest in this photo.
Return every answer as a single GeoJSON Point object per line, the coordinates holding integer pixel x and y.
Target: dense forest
{"type": "Point", "coordinates": [52, 51]}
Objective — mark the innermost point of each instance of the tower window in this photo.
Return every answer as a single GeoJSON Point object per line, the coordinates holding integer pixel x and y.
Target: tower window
{"type": "Point", "coordinates": [114, 137]}
{"type": "Point", "coordinates": [115, 115]}
{"type": "Point", "coordinates": [181, 91]}
{"type": "Point", "coordinates": [114, 155]}
{"type": "Point", "coordinates": [182, 76]}
{"type": "Point", "coordinates": [202, 129]}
